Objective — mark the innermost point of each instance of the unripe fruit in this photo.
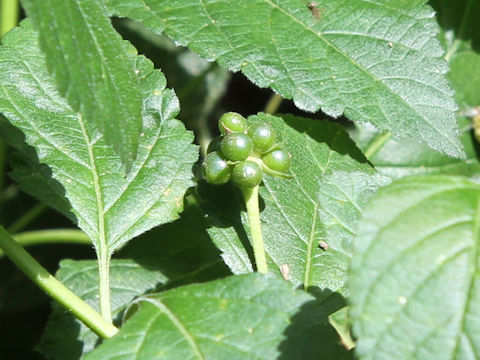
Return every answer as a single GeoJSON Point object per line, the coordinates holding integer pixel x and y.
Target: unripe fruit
{"type": "Point", "coordinates": [263, 136]}
{"type": "Point", "coordinates": [216, 171]}
{"type": "Point", "coordinates": [232, 122]}
{"type": "Point", "coordinates": [214, 144]}
{"type": "Point", "coordinates": [277, 160]}
{"type": "Point", "coordinates": [247, 174]}
{"type": "Point", "coordinates": [236, 146]}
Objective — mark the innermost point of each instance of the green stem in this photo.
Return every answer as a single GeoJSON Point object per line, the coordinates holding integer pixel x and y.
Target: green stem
{"type": "Point", "coordinates": [273, 104]}
{"type": "Point", "coordinates": [55, 288]}
{"type": "Point", "coordinates": [56, 236]}
{"type": "Point", "coordinates": [27, 218]}
{"type": "Point", "coordinates": [251, 200]}
{"type": "Point", "coordinates": [461, 31]}
{"type": "Point", "coordinates": [8, 15]}
{"type": "Point", "coordinates": [377, 143]}
{"type": "Point", "coordinates": [104, 285]}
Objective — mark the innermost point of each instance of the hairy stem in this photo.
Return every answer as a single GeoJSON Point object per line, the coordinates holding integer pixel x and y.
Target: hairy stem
{"type": "Point", "coordinates": [251, 200]}
{"type": "Point", "coordinates": [56, 236]}
{"type": "Point", "coordinates": [55, 288]}
{"type": "Point", "coordinates": [27, 218]}
{"type": "Point", "coordinates": [104, 285]}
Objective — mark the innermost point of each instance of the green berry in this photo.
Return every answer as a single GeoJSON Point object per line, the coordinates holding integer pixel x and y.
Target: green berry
{"type": "Point", "coordinates": [216, 171]}
{"type": "Point", "coordinates": [277, 160]}
{"type": "Point", "coordinates": [232, 122]}
{"type": "Point", "coordinates": [214, 144]}
{"type": "Point", "coordinates": [263, 136]}
{"type": "Point", "coordinates": [236, 146]}
{"type": "Point", "coordinates": [247, 174]}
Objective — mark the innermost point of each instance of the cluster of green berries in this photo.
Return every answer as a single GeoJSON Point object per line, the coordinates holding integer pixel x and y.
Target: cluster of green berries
{"type": "Point", "coordinates": [243, 153]}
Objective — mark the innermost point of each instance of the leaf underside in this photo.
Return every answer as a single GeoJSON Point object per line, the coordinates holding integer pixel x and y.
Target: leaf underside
{"type": "Point", "coordinates": [414, 279]}
{"type": "Point", "coordinates": [374, 61]}
{"type": "Point", "coordinates": [110, 207]}
{"type": "Point", "coordinates": [239, 317]}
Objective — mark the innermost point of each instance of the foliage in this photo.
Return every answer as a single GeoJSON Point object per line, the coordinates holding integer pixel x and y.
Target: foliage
{"type": "Point", "coordinates": [364, 229]}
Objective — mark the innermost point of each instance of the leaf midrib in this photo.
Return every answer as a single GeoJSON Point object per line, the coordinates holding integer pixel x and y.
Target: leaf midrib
{"type": "Point", "coordinates": [102, 242]}
{"type": "Point", "coordinates": [361, 68]}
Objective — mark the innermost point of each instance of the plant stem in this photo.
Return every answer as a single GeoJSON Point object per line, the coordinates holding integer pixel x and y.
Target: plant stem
{"type": "Point", "coordinates": [251, 200]}
{"type": "Point", "coordinates": [26, 218]}
{"type": "Point", "coordinates": [67, 236]}
{"type": "Point", "coordinates": [377, 143]}
{"type": "Point", "coordinates": [273, 104]}
{"type": "Point", "coordinates": [8, 15]}
{"type": "Point", "coordinates": [104, 285]}
{"type": "Point", "coordinates": [55, 288]}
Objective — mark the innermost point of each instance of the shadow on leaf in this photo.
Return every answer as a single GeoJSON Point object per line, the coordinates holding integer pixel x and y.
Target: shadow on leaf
{"type": "Point", "coordinates": [327, 132]}
{"type": "Point", "coordinates": [310, 336]}
{"type": "Point", "coordinates": [223, 206]}
{"type": "Point", "coordinates": [34, 178]}
{"type": "Point", "coordinates": [181, 250]}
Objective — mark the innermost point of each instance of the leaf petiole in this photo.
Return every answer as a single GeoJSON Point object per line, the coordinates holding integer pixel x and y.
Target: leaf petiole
{"type": "Point", "coordinates": [54, 288]}
{"type": "Point", "coordinates": [250, 196]}
{"type": "Point", "coordinates": [54, 236]}
{"type": "Point", "coordinates": [104, 285]}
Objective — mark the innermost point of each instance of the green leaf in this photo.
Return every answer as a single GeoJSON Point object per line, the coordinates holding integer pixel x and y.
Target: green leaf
{"type": "Point", "coordinates": [66, 338]}
{"type": "Point", "coordinates": [240, 317]}
{"type": "Point", "coordinates": [414, 278]}
{"type": "Point", "coordinates": [33, 178]}
{"type": "Point", "coordinates": [397, 158]}
{"type": "Point", "coordinates": [373, 61]}
{"type": "Point", "coordinates": [176, 253]}
{"type": "Point", "coordinates": [109, 207]}
{"type": "Point", "coordinates": [331, 180]}
{"type": "Point", "coordinates": [199, 84]}
{"type": "Point", "coordinates": [464, 76]}
{"type": "Point", "coordinates": [342, 323]}
{"type": "Point", "coordinates": [93, 68]}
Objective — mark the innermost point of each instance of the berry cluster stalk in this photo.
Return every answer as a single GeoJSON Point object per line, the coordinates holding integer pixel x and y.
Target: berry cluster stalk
{"type": "Point", "coordinates": [251, 200]}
